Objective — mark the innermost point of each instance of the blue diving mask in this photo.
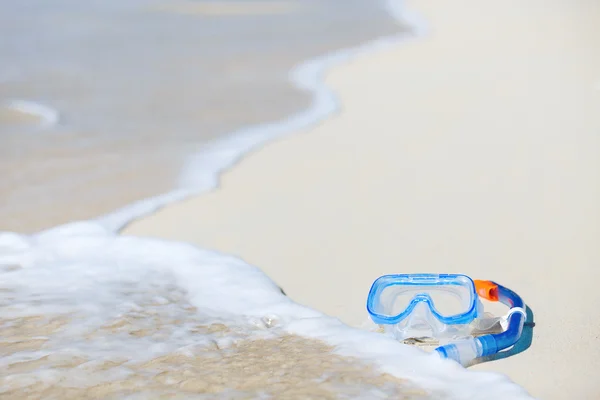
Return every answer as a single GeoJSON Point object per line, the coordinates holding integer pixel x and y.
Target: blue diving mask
{"type": "Point", "coordinates": [447, 309]}
{"type": "Point", "coordinates": [424, 305]}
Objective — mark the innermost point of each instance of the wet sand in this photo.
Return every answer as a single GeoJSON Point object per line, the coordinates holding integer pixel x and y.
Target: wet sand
{"type": "Point", "coordinates": [233, 364]}
{"type": "Point", "coordinates": [227, 8]}
{"type": "Point", "coordinates": [472, 150]}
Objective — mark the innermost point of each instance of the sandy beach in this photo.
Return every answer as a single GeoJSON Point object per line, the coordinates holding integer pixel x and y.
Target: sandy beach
{"type": "Point", "coordinates": [474, 149]}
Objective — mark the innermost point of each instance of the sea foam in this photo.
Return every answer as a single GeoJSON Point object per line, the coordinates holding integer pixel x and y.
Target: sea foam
{"type": "Point", "coordinates": [93, 276]}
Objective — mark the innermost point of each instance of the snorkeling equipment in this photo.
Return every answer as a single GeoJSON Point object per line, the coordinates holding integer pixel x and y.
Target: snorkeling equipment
{"type": "Point", "coordinates": [446, 308]}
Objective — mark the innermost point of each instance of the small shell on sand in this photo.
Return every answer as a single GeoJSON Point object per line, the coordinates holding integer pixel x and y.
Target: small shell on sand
{"type": "Point", "coordinates": [25, 112]}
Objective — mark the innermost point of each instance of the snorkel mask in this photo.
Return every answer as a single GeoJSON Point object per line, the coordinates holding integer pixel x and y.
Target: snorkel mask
{"type": "Point", "coordinates": [446, 309]}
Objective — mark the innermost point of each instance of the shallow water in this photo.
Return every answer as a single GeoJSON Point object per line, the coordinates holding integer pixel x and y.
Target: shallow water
{"type": "Point", "coordinates": [140, 85]}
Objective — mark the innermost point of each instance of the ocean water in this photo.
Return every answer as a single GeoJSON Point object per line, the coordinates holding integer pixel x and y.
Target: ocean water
{"type": "Point", "coordinates": [103, 102]}
{"type": "Point", "coordinates": [92, 122]}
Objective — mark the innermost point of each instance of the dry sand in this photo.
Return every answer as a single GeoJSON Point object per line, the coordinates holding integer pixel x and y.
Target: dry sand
{"type": "Point", "coordinates": [473, 150]}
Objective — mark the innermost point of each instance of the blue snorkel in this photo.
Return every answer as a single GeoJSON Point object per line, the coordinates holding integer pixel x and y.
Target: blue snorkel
{"type": "Point", "coordinates": [467, 350]}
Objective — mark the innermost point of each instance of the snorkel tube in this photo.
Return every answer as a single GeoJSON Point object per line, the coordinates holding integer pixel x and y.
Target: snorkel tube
{"type": "Point", "coordinates": [467, 350]}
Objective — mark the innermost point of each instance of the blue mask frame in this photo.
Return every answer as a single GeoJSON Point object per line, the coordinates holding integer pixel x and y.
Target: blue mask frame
{"type": "Point", "coordinates": [425, 281]}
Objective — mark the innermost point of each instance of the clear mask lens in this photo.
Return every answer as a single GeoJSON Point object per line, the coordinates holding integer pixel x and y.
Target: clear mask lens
{"type": "Point", "coordinates": [447, 300]}
{"type": "Point", "coordinates": [421, 324]}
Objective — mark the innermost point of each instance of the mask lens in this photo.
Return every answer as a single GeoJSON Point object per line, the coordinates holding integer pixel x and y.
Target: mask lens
{"type": "Point", "coordinates": [395, 299]}
{"type": "Point", "coordinates": [451, 300]}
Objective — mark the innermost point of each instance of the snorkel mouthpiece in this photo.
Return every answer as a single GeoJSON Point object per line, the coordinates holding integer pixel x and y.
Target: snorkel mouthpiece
{"type": "Point", "coordinates": [463, 351]}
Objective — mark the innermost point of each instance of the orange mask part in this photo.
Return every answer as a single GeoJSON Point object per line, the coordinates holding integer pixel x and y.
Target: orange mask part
{"type": "Point", "coordinates": [487, 289]}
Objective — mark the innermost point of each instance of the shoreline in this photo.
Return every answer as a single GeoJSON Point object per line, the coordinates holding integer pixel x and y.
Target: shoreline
{"type": "Point", "coordinates": [156, 328]}
{"type": "Point", "coordinates": [223, 125]}
{"type": "Point", "coordinates": [536, 229]}
{"type": "Point", "coordinates": [223, 154]}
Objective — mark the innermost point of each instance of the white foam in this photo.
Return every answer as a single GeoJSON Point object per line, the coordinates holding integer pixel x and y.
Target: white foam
{"type": "Point", "coordinates": [47, 115]}
{"type": "Point", "coordinates": [84, 268]}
